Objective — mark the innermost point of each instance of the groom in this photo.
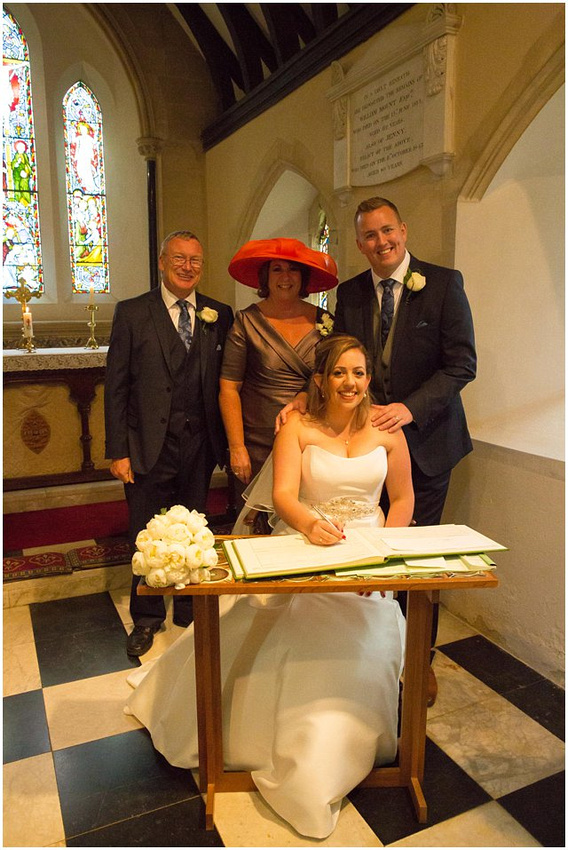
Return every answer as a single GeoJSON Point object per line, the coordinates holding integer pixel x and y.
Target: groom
{"type": "Point", "coordinates": [414, 319]}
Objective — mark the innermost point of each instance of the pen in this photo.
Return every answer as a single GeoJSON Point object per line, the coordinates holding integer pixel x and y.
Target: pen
{"type": "Point", "coordinates": [325, 516]}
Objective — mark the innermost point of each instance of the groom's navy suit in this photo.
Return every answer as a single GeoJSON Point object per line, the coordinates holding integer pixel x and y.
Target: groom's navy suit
{"type": "Point", "coordinates": [161, 411]}
{"type": "Point", "coordinates": [432, 359]}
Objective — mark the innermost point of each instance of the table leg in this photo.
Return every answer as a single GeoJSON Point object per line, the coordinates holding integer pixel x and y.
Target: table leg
{"type": "Point", "coordinates": [415, 696]}
{"type": "Point", "coordinates": [208, 696]}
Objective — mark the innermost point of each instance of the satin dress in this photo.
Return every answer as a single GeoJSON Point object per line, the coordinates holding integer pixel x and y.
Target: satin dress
{"type": "Point", "coordinates": [309, 681]}
{"type": "Point", "coordinates": [272, 372]}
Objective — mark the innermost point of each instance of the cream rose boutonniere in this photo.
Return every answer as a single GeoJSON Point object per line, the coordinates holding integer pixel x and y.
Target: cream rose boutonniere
{"type": "Point", "coordinates": [207, 315]}
{"type": "Point", "coordinates": [414, 281]}
{"type": "Point", "coordinates": [325, 327]}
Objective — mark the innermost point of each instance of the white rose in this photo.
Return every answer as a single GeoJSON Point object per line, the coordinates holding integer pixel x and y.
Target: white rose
{"type": "Point", "coordinates": [210, 558]}
{"type": "Point", "coordinates": [143, 539]}
{"type": "Point", "coordinates": [157, 526]}
{"type": "Point", "coordinates": [193, 556]}
{"type": "Point", "coordinates": [175, 558]}
{"type": "Point", "coordinates": [416, 282]}
{"type": "Point", "coordinates": [178, 513]}
{"type": "Point", "coordinates": [178, 533]}
{"type": "Point", "coordinates": [204, 538]}
{"type": "Point", "coordinates": [178, 576]}
{"type": "Point", "coordinates": [139, 565]}
{"type": "Point", "coordinates": [156, 553]}
{"type": "Point", "coordinates": [157, 578]}
{"type": "Point", "coordinates": [196, 522]}
{"type": "Point", "coordinates": [208, 315]}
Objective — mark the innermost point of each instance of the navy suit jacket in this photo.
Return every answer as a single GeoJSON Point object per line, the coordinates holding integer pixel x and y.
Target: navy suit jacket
{"type": "Point", "coordinates": [432, 359]}
{"type": "Point", "coordinates": [138, 383]}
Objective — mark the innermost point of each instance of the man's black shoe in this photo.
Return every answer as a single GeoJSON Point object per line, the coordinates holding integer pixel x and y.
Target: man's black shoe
{"type": "Point", "coordinates": [183, 625]}
{"type": "Point", "coordinates": [140, 640]}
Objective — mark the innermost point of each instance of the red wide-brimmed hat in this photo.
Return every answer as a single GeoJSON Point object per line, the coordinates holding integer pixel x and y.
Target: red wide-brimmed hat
{"type": "Point", "coordinates": [247, 261]}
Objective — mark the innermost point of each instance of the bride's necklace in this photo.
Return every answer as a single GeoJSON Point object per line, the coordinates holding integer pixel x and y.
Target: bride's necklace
{"type": "Point", "coordinates": [339, 436]}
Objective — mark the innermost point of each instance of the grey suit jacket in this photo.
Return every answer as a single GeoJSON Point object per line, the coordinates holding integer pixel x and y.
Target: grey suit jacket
{"type": "Point", "coordinates": [138, 382]}
{"type": "Point", "coordinates": [433, 358]}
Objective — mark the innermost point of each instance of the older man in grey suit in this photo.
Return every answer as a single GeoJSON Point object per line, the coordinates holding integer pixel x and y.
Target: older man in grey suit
{"type": "Point", "coordinates": [164, 432]}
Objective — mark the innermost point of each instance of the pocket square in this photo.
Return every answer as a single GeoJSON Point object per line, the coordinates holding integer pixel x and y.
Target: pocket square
{"type": "Point", "coordinates": [218, 347]}
{"type": "Point", "coordinates": [422, 325]}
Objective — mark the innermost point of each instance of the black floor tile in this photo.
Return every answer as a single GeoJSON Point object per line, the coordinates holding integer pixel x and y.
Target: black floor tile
{"type": "Point", "coordinates": [544, 702]}
{"type": "Point", "coordinates": [448, 790]}
{"type": "Point", "coordinates": [180, 825]}
{"type": "Point", "coordinates": [490, 664]}
{"type": "Point", "coordinates": [83, 655]}
{"type": "Point", "coordinates": [63, 617]}
{"type": "Point", "coordinates": [25, 726]}
{"type": "Point", "coordinates": [540, 808]}
{"type": "Point", "coordinates": [104, 782]}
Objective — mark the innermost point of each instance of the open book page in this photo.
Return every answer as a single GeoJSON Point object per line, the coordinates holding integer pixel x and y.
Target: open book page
{"type": "Point", "coordinates": [293, 553]}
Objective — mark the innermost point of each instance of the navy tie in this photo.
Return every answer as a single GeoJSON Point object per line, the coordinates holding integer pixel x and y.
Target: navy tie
{"type": "Point", "coordinates": [387, 309]}
{"type": "Point", "coordinates": [184, 326]}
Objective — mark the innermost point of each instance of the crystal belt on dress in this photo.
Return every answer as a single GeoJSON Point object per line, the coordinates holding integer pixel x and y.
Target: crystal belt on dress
{"type": "Point", "coordinates": [344, 509]}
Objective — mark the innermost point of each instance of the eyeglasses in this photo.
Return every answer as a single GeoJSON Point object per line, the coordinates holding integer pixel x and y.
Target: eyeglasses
{"type": "Point", "coordinates": [178, 261]}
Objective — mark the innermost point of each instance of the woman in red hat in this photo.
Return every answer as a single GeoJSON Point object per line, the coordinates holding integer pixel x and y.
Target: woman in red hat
{"type": "Point", "coordinates": [270, 350]}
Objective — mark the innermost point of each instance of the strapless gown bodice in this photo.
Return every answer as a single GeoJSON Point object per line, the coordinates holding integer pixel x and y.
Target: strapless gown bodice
{"type": "Point", "coordinates": [310, 685]}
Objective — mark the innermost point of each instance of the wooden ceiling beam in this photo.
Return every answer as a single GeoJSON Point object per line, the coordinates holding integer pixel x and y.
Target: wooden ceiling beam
{"type": "Point", "coordinates": [223, 65]}
{"type": "Point", "coordinates": [289, 26]}
{"type": "Point", "coordinates": [251, 44]}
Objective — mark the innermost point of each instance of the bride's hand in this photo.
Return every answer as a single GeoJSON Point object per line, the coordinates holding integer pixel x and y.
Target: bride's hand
{"type": "Point", "coordinates": [323, 533]}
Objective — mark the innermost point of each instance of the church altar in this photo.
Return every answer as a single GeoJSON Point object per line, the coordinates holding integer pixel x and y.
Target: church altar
{"type": "Point", "coordinates": [53, 417]}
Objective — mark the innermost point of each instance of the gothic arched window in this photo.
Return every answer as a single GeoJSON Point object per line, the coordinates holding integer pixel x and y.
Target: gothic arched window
{"type": "Point", "coordinates": [21, 240]}
{"type": "Point", "coordinates": [85, 183]}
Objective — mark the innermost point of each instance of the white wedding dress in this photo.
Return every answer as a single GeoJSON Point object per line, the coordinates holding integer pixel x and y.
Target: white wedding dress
{"type": "Point", "coordinates": [310, 681]}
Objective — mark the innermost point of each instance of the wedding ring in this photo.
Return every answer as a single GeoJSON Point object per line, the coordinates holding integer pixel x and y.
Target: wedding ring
{"type": "Point", "coordinates": [397, 418]}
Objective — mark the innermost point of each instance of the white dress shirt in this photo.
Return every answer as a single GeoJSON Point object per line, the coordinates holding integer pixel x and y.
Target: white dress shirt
{"type": "Point", "coordinates": [170, 300]}
{"type": "Point", "coordinates": [398, 275]}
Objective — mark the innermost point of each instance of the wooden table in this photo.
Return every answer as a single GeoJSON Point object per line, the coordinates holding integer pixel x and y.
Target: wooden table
{"type": "Point", "coordinates": [422, 594]}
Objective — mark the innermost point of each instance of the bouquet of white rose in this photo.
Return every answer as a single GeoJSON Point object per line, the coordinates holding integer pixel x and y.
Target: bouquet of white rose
{"type": "Point", "coordinates": [176, 547]}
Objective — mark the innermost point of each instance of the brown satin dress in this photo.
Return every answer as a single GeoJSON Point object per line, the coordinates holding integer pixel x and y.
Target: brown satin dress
{"type": "Point", "coordinates": [272, 372]}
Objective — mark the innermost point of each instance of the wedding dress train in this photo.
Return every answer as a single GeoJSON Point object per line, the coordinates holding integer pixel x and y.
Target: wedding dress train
{"type": "Point", "coordinates": [309, 681]}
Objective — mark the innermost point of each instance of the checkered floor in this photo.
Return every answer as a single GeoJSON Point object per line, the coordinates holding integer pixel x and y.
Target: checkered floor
{"type": "Point", "coordinates": [78, 772]}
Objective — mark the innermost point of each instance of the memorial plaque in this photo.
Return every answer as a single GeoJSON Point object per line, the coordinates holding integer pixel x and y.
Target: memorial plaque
{"type": "Point", "coordinates": [387, 125]}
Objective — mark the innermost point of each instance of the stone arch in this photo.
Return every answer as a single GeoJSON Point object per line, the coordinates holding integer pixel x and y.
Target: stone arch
{"type": "Point", "coordinates": [524, 105]}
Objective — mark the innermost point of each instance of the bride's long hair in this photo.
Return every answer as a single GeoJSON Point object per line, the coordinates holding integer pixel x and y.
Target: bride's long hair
{"type": "Point", "coordinates": [328, 352]}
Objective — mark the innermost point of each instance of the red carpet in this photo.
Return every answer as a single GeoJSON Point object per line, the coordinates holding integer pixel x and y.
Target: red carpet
{"type": "Point", "coordinates": [82, 522]}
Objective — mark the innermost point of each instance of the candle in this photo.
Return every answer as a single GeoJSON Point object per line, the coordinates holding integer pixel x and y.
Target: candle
{"type": "Point", "coordinates": [92, 295]}
{"type": "Point", "coordinates": [28, 327]}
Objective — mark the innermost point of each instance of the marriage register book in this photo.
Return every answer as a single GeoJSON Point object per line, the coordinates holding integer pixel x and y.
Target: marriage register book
{"type": "Point", "coordinates": [287, 554]}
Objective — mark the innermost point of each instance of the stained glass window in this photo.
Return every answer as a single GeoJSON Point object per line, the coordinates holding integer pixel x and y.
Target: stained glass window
{"type": "Point", "coordinates": [20, 240]}
{"type": "Point", "coordinates": [86, 199]}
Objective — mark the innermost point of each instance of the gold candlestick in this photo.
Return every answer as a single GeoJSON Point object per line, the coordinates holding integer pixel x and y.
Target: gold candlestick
{"type": "Point", "coordinates": [91, 342]}
{"type": "Point", "coordinates": [23, 294]}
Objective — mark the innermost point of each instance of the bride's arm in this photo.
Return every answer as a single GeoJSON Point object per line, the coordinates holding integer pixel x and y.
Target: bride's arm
{"type": "Point", "coordinates": [287, 460]}
{"type": "Point", "coordinates": [399, 482]}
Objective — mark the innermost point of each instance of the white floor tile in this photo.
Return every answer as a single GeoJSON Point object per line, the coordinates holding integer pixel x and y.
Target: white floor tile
{"type": "Point", "coordinates": [88, 710]}
{"type": "Point", "coordinates": [498, 745]}
{"type": "Point", "coordinates": [487, 826]}
{"type": "Point", "coordinates": [32, 815]}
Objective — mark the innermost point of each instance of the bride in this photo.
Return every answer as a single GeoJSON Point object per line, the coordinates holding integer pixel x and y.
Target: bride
{"type": "Point", "coordinates": [310, 681]}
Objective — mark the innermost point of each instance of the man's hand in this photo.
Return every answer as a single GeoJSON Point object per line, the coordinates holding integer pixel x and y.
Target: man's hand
{"type": "Point", "coordinates": [299, 403]}
{"type": "Point", "coordinates": [390, 417]}
{"type": "Point", "coordinates": [121, 469]}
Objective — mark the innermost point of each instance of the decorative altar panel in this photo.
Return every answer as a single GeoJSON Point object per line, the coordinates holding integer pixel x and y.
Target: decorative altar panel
{"type": "Point", "coordinates": [53, 417]}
